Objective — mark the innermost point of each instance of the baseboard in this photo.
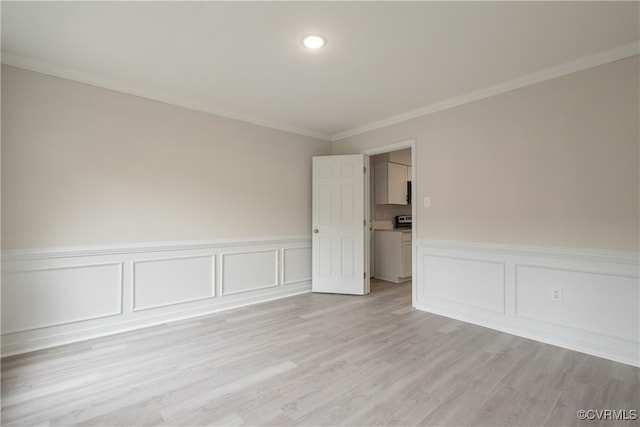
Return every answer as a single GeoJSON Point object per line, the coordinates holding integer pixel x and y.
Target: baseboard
{"type": "Point", "coordinates": [595, 308]}
{"type": "Point", "coordinates": [57, 296]}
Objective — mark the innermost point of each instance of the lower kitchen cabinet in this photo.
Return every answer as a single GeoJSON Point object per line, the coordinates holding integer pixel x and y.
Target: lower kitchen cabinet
{"type": "Point", "coordinates": [393, 255]}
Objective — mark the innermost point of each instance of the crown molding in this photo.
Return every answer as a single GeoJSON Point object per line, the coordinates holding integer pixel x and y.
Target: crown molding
{"type": "Point", "coordinates": [93, 80]}
{"type": "Point", "coordinates": [611, 55]}
{"type": "Point", "coordinates": [584, 63]}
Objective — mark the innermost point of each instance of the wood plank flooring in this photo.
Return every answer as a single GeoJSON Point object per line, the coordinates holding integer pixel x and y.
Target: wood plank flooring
{"type": "Point", "coordinates": [315, 359]}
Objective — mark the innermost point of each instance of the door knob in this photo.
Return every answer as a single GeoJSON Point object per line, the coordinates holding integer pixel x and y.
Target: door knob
{"type": "Point", "coordinates": [315, 230]}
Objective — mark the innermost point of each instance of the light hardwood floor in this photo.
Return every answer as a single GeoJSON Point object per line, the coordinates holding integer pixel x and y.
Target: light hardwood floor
{"type": "Point", "coordinates": [315, 359]}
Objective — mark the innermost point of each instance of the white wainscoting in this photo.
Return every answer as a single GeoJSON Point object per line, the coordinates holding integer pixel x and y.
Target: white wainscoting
{"type": "Point", "coordinates": [511, 289]}
{"type": "Point", "coordinates": [43, 297]}
{"type": "Point", "coordinates": [249, 271]}
{"type": "Point", "coordinates": [297, 265]}
{"type": "Point", "coordinates": [56, 296]}
{"type": "Point", "coordinates": [466, 281]}
{"type": "Point", "coordinates": [155, 282]}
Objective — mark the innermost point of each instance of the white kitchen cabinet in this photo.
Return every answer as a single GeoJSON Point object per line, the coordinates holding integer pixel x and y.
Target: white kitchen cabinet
{"type": "Point", "coordinates": [390, 183]}
{"type": "Point", "coordinates": [406, 255]}
{"type": "Point", "coordinates": [393, 255]}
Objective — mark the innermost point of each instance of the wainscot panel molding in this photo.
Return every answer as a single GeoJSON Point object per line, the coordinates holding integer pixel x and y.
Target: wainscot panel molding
{"type": "Point", "coordinates": [296, 265]}
{"type": "Point", "coordinates": [154, 281]}
{"type": "Point", "coordinates": [249, 271]}
{"type": "Point", "coordinates": [61, 295]}
{"type": "Point", "coordinates": [584, 300]}
{"type": "Point", "coordinates": [42, 297]}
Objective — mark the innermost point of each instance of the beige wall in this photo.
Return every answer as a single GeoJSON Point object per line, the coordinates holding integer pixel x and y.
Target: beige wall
{"type": "Point", "coordinates": [555, 164]}
{"type": "Point", "coordinates": [88, 166]}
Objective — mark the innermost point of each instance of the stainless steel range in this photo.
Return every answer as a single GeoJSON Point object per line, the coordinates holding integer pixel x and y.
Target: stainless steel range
{"type": "Point", "coordinates": [403, 221]}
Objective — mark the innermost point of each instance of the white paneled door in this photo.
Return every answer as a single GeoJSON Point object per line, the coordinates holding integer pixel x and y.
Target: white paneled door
{"type": "Point", "coordinates": [338, 221]}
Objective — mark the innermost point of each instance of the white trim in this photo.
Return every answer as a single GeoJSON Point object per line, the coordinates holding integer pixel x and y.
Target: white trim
{"type": "Point", "coordinates": [142, 261]}
{"type": "Point", "coordinates": [82, 251]}
{"type": "Point", "coordinates": [409, 143]}
{"type": "Point", "coordinates": [283, 278]}
{"type": "Point", "coordinates": [58, 267]}
{"type": "Point", "coordinates": [120, 288]}
{"type": "Point", "coordinates": [593, 255]}
{"type": "Point", "coordinates": [131, 317]}
{"type": "Point", "coordinates": [54, 340]}
{"type": "Point", "coordinates": [607, 56]}
{"type": "Point", "coordinates": [517, 313]}
{"type": "Point", "coordinates": [94, 80]}
{"type": "Point", "coordinates": [610, 337]}
{"type": "Point", "coordinates": [276, 271]}
{"type": "Point", "coordinates": [616, 350]}
{"type": "Point", "coordinates": [503, 286]}
{"type": "Point", "coordinates": [590, 61]}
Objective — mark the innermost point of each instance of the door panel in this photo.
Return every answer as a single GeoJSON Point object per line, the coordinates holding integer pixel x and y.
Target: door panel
{"type": "Point", "coordinates": [338, 224]}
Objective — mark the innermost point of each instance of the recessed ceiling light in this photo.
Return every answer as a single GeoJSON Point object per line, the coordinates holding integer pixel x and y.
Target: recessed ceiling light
{"type": "Point", "coordinates": [314, 41]}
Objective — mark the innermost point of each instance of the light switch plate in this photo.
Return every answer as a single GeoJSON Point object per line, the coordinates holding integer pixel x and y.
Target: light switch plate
{"type": "Point", "coordinates": [427, 202]}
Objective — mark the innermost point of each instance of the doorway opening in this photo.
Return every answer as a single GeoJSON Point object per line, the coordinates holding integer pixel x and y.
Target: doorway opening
{"type": "Point", "coordinates": [391, 211]}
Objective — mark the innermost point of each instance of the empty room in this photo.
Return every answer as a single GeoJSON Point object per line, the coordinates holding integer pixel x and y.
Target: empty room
{"type": "Point", "coordinates": [320, 213]}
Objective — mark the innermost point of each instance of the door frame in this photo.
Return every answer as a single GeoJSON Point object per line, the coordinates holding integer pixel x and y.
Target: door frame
{"type": "Point", "coordinates": [410, 143]}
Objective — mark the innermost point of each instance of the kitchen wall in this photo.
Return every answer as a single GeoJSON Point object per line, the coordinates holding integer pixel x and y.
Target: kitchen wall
{"type": "Point", "coordinates": [83, 166]}
{"type": "Point", "coordinates": [554, 164]}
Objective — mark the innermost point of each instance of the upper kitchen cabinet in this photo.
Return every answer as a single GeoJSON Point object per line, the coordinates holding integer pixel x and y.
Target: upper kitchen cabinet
{"type": "Point", "coordinates": [391, 183]}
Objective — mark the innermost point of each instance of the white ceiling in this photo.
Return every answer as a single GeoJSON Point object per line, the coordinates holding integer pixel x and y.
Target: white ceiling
{"type": "Point", "coordinates": [384, 61]}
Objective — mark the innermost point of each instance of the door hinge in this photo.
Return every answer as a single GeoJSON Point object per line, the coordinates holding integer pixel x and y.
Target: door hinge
{"type": "Point", "coordinates": [365, 169]}
{"type": "Point", "coordinates": [365, 275]}
{"type": "Point", "coordinates": [364, 222]}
